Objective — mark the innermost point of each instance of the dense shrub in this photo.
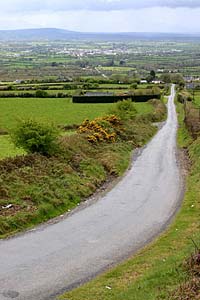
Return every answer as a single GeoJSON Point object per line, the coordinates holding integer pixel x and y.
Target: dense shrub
{"type": "Point", "coordinates": [134, 85]}
{"type": "Point", "coordinates": [101, 129]}
{"type": "Point", "coordinates": [160, 111]}
{"type": "Point", "coordinates": [35, 137]}
{"type": "Point", "coordinates": [125, 109]}
{"type": "Point", "coordinates": [41, 94]}
{"type": "Point", "coordinates": [184, 96]}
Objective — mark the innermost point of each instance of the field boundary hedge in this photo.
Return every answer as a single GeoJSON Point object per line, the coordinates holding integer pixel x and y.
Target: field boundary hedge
{"type": "Point", "coordinates": [113, 99]}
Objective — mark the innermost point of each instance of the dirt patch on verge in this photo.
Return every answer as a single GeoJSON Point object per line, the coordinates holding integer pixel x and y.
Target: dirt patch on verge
{"type": "Point", "coordinates": [184, 161]}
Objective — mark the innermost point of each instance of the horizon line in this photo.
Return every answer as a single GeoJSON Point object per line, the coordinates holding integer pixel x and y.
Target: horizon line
{"type": "Point", "coordinates": [104, 32]}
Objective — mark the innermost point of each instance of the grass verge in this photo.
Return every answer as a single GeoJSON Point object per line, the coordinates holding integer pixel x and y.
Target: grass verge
{"type": "Point", "coordinates": [154, 272]}
{"type": "Point", "coordinates": [7, 148]}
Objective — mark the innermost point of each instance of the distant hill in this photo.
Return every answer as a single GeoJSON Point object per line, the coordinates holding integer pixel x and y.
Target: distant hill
{"type": "Point", "coordinates": [53, 34]}
{"type": "Point", "coordinates": [38, 34]}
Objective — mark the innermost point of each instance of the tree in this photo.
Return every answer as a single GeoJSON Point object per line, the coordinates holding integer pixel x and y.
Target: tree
{"type": "Point", "coordinates": [41, 94]}
{"type": "Point", "coordinates": [10, 88]}
{"type": "Point", "coordinates": [153, 74]}
{"type": "Point", "coordinates": [166, 78]}
{"type": "Point", "coordinates": [125, 109]}
{"type": "Point", "coordinates": [122, 62]}
{"type": "Point", "coordinates": [134, 85]}
{"type": "Point", "coordinates": [54, 64]}
{"type": "Point", "coordinates": [177, 78]}
{"type": "Point", "coordinates": [149, 78]}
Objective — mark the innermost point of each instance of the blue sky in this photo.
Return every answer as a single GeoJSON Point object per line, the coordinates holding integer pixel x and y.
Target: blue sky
{"type": "Point", "coordinates": [103, 15]}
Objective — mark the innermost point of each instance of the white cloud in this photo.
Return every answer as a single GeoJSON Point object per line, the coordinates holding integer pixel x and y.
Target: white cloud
{"type": "Point", "coordinates": [93, 5]}
{"type": "Point", "coordinates": [143, 20]}
{"type": "Point", "coordinates": [103, 15]}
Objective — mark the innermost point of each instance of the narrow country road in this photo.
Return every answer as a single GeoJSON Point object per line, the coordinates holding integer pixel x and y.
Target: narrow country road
{"type": "Point", "coordinates": [40, 264]}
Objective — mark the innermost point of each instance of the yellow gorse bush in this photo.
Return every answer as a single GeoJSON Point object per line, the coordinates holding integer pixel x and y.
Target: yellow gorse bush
{"type": "Point", "coordinates": [102, 129]}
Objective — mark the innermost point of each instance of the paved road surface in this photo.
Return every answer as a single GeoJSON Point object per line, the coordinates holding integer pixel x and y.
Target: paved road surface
{"type": "Point", "coordinates": [41, 263]}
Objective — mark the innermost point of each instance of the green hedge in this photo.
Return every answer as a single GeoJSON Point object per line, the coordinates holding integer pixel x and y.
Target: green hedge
{"type": "Point", "coordinates": [113, 99]}
{"type": "Point", "coordinates": [34, 95]}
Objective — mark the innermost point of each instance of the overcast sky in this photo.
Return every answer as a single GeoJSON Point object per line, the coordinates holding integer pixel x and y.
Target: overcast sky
{"type": "Point", "coordinates": [103, 15]}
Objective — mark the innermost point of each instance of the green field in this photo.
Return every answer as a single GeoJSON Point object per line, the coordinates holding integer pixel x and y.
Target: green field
{"type": "Point", "coordinates": [117, 68]}
{"type": "Point", "coordinates": [143, 108]}
{"type": "Point", "coordinates": [58, 111]}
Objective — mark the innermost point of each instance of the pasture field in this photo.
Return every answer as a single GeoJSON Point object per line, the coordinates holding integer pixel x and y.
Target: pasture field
{"type": "Point", "coordinates": [114, 86]}
{"type": "Point", "coordinates": [58, 111]}
{"type": "Point", "coordinates": [117, 69]}
{"type": "Point", "coordinates": [143, 108]}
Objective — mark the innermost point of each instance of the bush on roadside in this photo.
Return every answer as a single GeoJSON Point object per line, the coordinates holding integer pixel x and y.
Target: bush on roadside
{"type": "Point", "coordinates": [35, 137]}
{"type": "Point", "coordinates": [125, 110]}
{"type": "Point", "coordinates": [160, 111]}
{"type": "Point", "coordinates": [184, 96]}
{"type": "Point", "coordinates": [101, 129]}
